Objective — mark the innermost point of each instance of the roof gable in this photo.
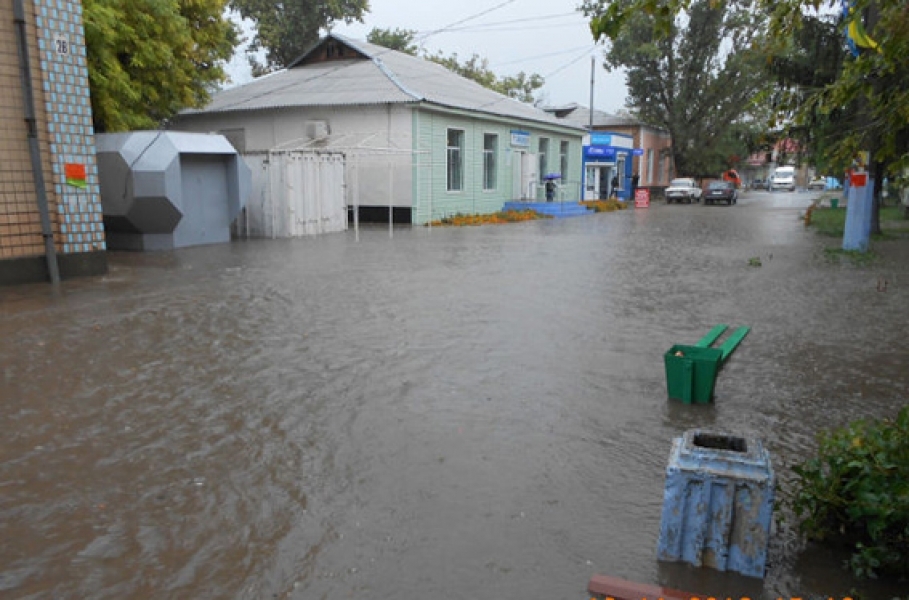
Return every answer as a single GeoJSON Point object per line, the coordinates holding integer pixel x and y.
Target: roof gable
{"type": "Point", "coordinates": [329, 49]}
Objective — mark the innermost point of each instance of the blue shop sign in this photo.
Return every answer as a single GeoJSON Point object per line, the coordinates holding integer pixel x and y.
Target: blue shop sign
{"type": "Point", "coordinates": [520, 138]}
{"type": "Point", "coordinates": [600, 139]}
{"type": "Point", "coordinates": [638, 152]}
{"type": "Point", "coordinates": [599, 152]}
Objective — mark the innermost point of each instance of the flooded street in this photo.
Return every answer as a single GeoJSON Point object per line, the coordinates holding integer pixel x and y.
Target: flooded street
{"type": "Point", "coordinates": [445, 413]}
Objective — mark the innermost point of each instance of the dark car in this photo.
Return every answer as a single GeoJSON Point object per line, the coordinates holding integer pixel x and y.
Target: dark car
{"type": "Point", "coordinates": [720, 191]}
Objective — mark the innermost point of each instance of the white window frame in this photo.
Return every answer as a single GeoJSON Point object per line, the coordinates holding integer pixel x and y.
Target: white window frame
{"type": "Point", "coordinates": [543, 147]}
{"type": "Point", "coordinates": [454, 160]}
{"type": "Point", "coordinates": [490, 162]}
{"type": "Point", "coordinates": [563, 158]}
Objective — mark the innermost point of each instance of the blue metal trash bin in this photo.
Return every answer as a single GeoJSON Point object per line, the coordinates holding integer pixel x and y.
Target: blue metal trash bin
{"type": "Point", "coordinates": [717, 503]}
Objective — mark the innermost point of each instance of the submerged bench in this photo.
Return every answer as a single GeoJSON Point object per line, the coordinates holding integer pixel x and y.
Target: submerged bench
{"type": "Point", "coordinates": [731, 342]}
{"type": "Point", "coordinates": [691, 370]}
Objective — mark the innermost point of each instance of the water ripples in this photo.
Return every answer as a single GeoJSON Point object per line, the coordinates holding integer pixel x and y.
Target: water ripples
{"type": "Point", "coordinates": [478, 412]}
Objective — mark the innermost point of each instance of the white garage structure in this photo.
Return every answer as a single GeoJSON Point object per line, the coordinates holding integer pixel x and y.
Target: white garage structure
{"type": "Point", "coordinates": [294, 193]}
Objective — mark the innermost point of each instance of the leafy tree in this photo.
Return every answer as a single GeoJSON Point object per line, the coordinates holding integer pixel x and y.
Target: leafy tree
{"type": "Point", "coordinates": [868, 100]}
{"type": "Point", "coordinates": [694, 71]}
{"type": "Point", "coordinates": [396, 39]}
{"type": "Point", "coordinates": [148, 59]}
{"type": "Point", "coordinates": [520, 87]}
{"type": "Point", "coordinates": [871, 88]}
{"type": "Point", "coordinates": [285, 30]}
{"type": "Point", "coordinates": [802, 67]}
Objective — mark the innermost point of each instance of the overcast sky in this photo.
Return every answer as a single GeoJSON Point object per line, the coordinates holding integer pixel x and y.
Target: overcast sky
{"type": "Point", "coordinates": [535, 36]}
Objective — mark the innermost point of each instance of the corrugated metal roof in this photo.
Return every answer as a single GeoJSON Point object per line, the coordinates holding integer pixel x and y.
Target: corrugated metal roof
{"type": "Point", "coordinates": [580, 115]}
{"type": "Point", "coordinates": [322, 84]}
{"type": "Point", "coordinates": [388, 77]}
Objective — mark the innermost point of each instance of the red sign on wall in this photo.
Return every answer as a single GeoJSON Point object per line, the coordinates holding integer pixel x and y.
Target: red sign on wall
{"type": "Point", "coordinates": [75, 174]}
{"type": "Point", "coordinates": [642, 198]}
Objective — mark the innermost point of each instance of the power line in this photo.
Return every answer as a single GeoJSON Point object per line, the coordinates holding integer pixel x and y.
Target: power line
{"type": "Point", "coordinates": [447, 28]}
{"type": "Point", "coordinates": [505, 29]}
{"type": "Point", "coordinates": [465, 20]}
{"type": "Point", "coordinates": [539, 56]}
{"type": "Point", "coordinates": [557, 71]}
{"type": "Point", "coordinates": [568, 64]}
{"type": "Point", "coordinates": [381, 52]}
{"type": "Point", "coordinates": [513, 21]}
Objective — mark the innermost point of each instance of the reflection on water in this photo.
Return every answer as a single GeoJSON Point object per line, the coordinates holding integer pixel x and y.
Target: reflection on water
{"type": "Point", "coordinates": [474, 412]}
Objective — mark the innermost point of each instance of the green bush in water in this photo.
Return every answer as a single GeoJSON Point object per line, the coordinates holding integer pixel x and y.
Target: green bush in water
{"type": "Point", "coordinates": [856, 490]}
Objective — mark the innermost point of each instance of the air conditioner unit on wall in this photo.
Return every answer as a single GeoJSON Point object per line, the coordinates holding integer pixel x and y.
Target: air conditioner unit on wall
{"type": "Point", "coordinates": [317, 130]}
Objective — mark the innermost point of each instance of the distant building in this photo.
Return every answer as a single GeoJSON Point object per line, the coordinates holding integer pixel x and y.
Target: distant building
{"type": "Point", "coordinates": [50, 209]}
{"type": "Point", "coordinates": [786, 151]}
{"type": "Point", "coordinates": [649, 154]}
{"type": "Point", "coordinates": [420, 141]}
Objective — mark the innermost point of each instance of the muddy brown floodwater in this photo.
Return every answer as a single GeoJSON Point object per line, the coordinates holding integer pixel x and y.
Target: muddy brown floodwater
{"type": "Point", "coordinates": [445, 413]}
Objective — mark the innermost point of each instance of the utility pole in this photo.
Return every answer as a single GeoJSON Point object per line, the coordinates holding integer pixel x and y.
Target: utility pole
{"type": "Point", "coordinates": [593, 64]}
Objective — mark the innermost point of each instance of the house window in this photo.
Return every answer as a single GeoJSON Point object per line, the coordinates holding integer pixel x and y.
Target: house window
{"type": "Point", "coordinates": [544, 150]}
{"type": "Point", "coordinates": [455, 160]}
{"type": "Point", "coordinates": [563, 159]}
{"type": "Point", "coordinates": [490, 148]}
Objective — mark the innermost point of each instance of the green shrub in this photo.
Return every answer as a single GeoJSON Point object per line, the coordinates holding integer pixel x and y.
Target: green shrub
{"type": "Point", "coordinates": [856, 490]}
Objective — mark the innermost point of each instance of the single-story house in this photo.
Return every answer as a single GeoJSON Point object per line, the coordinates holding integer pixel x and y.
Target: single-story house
{"type": "Point", "coordinates": [419, 140]}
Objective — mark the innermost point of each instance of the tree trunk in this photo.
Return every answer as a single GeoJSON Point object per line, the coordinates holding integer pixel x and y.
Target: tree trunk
{"type": "Point", "coordinates": [875, 168]}
{"type": "Point", "coordinates": [876, 172]}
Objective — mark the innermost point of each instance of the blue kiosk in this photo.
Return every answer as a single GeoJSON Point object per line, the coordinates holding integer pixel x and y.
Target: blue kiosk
{"type": "Point", "coordinates": [605, 156]}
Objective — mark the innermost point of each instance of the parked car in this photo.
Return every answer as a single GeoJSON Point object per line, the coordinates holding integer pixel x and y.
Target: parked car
{"type": "Point", "coordinates": [783, 179]}
{"type": "Point", "coordinates": [758, 184]}
{"type": "Point", "coordinates": [684, 189]}
{"type": "Point", "coordinates": [818, 183]}
{"type": "Point", "coordinates": [721, 191]}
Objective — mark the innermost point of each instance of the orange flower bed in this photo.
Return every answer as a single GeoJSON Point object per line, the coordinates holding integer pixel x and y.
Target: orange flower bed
{"type": "Point", "coordinates": [504, 216]}
{"type": "Point", "coordinates": [604, 205]}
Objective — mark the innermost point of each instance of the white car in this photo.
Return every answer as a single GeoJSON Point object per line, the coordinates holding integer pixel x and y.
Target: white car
{"type": "Point", "coordinates": [783, 179]}
{"type": "Point", "coordinates": [684, 189]}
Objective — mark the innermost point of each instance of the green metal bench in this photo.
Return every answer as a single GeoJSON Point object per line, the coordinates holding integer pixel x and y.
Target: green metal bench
{"type": "Point", "coordinates": [691, 370]}
{"type": "Point", "coordinates": [727, 346]}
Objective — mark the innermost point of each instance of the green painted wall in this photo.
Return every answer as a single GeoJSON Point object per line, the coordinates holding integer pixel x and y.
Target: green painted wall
{"type": "Point", "coordinates": [431, 198]}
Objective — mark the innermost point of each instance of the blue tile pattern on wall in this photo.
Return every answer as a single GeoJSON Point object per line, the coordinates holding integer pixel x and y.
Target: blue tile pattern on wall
{"type": "Point", "coordinates": [70, 128]}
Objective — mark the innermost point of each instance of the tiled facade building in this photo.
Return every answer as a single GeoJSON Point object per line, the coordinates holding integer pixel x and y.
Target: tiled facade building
{"type": "Point", "coordinates": [66, 168]}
